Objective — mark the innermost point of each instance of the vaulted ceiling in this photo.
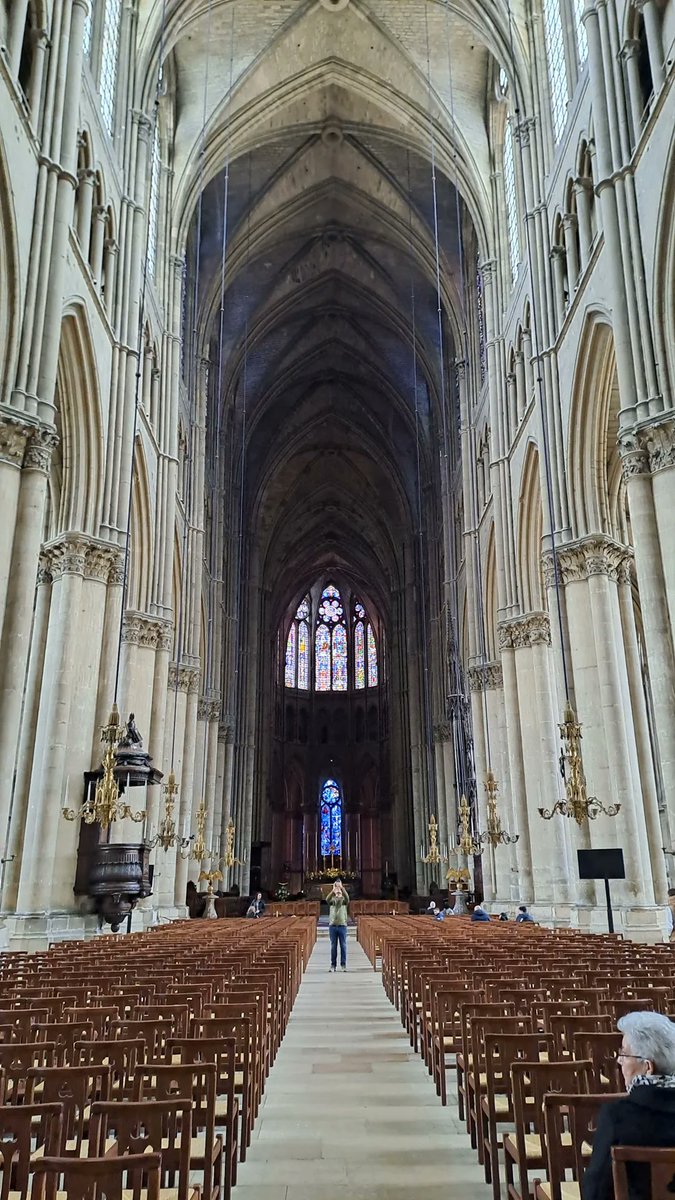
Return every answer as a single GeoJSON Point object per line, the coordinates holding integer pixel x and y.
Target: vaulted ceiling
{"type": "Point", "coordinates": [307, 134]}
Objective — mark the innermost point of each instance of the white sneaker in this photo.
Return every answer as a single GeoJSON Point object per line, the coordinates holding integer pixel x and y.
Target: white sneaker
{"type": "Point", "coordinates": [344, 968]}
{"type": "Point", "coordinates": [332, 970]}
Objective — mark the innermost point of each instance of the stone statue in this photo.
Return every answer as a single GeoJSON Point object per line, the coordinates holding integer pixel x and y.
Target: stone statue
{"type": "Point", "coordinates": [131, 736]}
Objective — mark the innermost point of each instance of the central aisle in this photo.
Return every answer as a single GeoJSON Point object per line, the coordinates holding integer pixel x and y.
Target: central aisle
{"type": "Point", "coordinates": [349, 1111]}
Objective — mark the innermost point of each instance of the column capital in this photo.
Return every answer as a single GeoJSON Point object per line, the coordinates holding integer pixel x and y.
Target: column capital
{"type": "Point", "coordinates": [524, 130]}
{"type": "Point", "coordinates": [77, 554]}
{"type": "Point", "coordinates": [532, 629]}
{"type": "Point", "coordinates": [39, 449]}
{"type": "Point", "coordinates": [597, 554]}
{"type": "Point", "coordinates": [147, 631]}
{"type": "Point", "coordinates": [442, 731]}
{"type": "Point", "coordinates": [486, 677]}
{"type": "Point", "coordinates": [488, 267]}
{"type": "Point", "coordinates": [648, 448]}
{"type": "Point", "coordinates": [14, 434]}
{"type": "Point", "coordinates": [184, 678]}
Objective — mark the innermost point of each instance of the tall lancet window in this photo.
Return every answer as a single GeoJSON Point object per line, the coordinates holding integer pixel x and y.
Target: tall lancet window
{"type": "Point", "coordinates": [110, 49]}
{"type": "Point", "coordinates": [330, 643]}
{"type": "Point", "coordinates": [557, 70]}
{"type": "Point", "coordinates": [331, 818]}
{"type": "Point", "coordinates": [296, 672]}
{"type": "Point", "coordinates": [365, 650]}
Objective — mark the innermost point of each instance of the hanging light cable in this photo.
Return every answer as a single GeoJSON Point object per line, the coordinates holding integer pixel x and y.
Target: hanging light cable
{"type": "Point", "coordinates": [494, 834]}
{"type": "Point", "coordinates": [577, 804]}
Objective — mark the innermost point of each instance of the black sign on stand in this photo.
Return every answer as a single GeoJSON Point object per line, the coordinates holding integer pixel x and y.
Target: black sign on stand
{"type": "Point", "coordinates": [602, 864]}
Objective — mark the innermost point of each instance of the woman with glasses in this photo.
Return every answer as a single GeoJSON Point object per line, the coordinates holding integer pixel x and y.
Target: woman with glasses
{"type": "Point", "coordinates": [646, 1115]}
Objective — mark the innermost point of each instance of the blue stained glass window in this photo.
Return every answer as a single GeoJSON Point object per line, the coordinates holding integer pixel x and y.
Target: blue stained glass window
{"type": "Point", "coordinates": [331, 818]}
{"type": "Point", "coordinates": [359, 655]}
{"type": "Point", "coordinates": [322, 651]}
{"type": "Point", "coordinates": [290, 656]}
{"type": "Point", "coordinates": [372, 658]}
{"type": "Point", "coordinates": [339, 659]}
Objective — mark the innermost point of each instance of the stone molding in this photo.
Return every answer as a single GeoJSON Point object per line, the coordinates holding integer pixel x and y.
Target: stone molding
{"type": "Point", "coordinates": [226, 729]}
{"type": "Point", "coordinates": [77, 554]}
{"type": "Point", "coordinates": [532, 629]}
{"type": "Point", "coordinates": [184, 678]}
{"type": "Point", "coordinates": [39, 449]}
{"type": "Point", "coordinates": [647, 449]}
{"type": "Point", "coordinates": [485, 678]}
{"type": "Point", "coordinates": [141, 629]}
{"type": "Point", "coordinates": [14, 434]}
{"type": "Point", "coordinates": [442, 731]}
{"type": "Point", "coordinates": [209, 708]}
{"type": "Point", "coordinates": [594, 555]}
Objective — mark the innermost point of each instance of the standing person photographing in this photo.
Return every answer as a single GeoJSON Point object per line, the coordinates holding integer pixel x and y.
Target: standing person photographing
{"type": "Point", "coordinates": [338, 907]}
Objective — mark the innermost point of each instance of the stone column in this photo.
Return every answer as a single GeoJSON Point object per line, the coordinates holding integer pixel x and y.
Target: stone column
{"type": "Point", "coordinates": [46, 832]}
{"type": "Point", "coordinates": [187, 806]}
{"type": "Point", "coordinates": [18, 607]}
{"type": "Point", "coordinates": [570, 226]}
{"type": "Point", "coordinates": [14, 434]}
{"type": "Point", "coordinates": [657, 622]}
{"type": "Point", "coordinates": [85, 205]}
{"type": "Point", "coordinates": [516, 763]}
{"type": "Point", "coordinates": [652, 20]}
{"type": "Point", "coordinates": [582, 191]}
{"type": "Point", "coordinates": [630, 53]}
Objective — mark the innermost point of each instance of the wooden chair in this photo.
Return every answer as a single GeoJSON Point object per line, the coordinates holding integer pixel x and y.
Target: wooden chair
{"type": "Point", "coordinates": [646, 1167]}
{"type": "Point", "coordinates": [223, 1053]}
{"type": "Point", "coordinates": [75, 1089]}
{"type": "Point", "coordinates": [601, 1049]}
{"type": "Point", "coordinates": [163, 1126]}
{"type": "Point", "coordinates": [564, 1026]}
{"type": "Point", "coordinates": [195, 1082]}
{"type": "Point", "coordinates": [570, 1121]}
{"type": "Point", "coordinates": [122, 1056]}
{"type": "Point", "coordinates": [502, 1049]}
{"type": "Point", "coordinates": [238, 1029]}
{"type": "Point", "coordinates": [134, 1175]}
{"type": "Point", "coordinates": [446, 1032]}
{"type": "Point", "coordinates": [26, 1131]}
{"type": "Point", "coordinates": [467, 1011]}
{"type": "Point", "coordinates": [525, 1150]}
{"type": "Point", "coordinates": [16, 1060]}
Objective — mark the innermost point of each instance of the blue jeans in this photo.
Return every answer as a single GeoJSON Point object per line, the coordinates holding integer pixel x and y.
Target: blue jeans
{"type": "Point", "coordinates": [338, 933]}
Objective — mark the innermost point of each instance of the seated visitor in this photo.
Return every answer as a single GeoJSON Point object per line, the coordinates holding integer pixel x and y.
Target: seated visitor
{"type": "Point", "coordinates": [646, 1116]}
{"type": "Point", "coordinates": [257, 906]}
{"type": "Point", "coordinates": [670, 915]}
{"type": "Point", "coordinates": [503, 916]}
{"type": "Point", "coordinates": [479, 914]}
{"type": "Point", "coordinates": [431, 910]}
{"type": "Point", "coordinates": [523, 914]}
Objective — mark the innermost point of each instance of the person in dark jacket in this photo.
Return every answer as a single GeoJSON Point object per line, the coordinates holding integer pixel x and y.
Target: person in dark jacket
{"type": "Point", "coordinates": [646, 1116]}
{"type": "Point", "coordinates": [479, 914]}
{"type": "Point", "coordinates": [523, 915]}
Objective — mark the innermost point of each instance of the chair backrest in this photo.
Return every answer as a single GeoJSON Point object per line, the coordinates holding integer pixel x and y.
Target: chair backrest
{"type": "Point", "coordinates": [130, 1177]}
{"type": "Point", "coordinates": [570, 1122]}
{"type": "Point", "coordinates": [75, 1088]}
{"type": "Point", "coordinates": [565, 1025]}
{"type": "Point", "coordinates": [602, 1049]}
{"type": "Point", "coordinates": [650, 1169]}
{"type": "Point", "coordinates": [24, 1129]}
{"type": "Point", "coordinates": [222, 1052]}
{"type": "Point", "coordinates": [16, 1059]}
{"type": "Point", "coordinates": [122, 1056]}
{"type": "Point", "coordinates": [181, 1081]}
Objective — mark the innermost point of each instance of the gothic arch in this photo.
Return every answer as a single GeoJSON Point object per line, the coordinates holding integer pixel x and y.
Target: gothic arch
{"type": "Point", "coordinates": [491, 598]}
{"type": "Point", "coordinates": [79, 424]}
{"type": "Point", "coordinates": [594, 468]}
{"type": "Point", "coordinates": [9, 282]}
{"type": "Point", "coordinates": [530, 532]}
{"type": "Point", "coordinates": [140, 547]}
{"type": "Point", "coordinates": [663, 299]}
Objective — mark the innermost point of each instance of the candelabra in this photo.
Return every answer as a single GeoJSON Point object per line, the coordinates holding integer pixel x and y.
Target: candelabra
{"type": "Point", "coordinates": [195, 846]}
{"type": "Point", "coordinates": [436, 854]}
{"type": "Point", "coordinates": [229, 858]}
{"type": "Point", "coordinates": [494, 834]}
{"type": "Point", "coordinates": [167, 835]}
{"type": "Point", "coordinates": [466, 843]}
{"type": "Point", "coordinates": [105, 806]}
{"type": "Point", "coordinates": [577, 802]}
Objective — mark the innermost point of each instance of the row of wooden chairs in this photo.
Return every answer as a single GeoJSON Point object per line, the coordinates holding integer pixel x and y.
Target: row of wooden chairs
{"type": "Point", "coordinates": [520, 1017]}
{"type": "Point", "coordinates": [158, 1042]}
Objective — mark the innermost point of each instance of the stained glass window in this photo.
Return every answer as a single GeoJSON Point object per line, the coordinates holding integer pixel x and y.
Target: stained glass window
{"type": "Point", "coordinates": [331, 818]}
{"type": "Point", "coordinates": [359, 655]}
{"type": "Point", "coordinates": [110, 48]}
{"type": "Point", "coordinates": [582, 38]}
{"type": "Point", "coordinates": [153, 208]}
{"type": "Point", "coordinates": [480, 315]}
{"type": "Point", "coordinates": [510, 198]}
{"type": "Point", "coordinates": [557, 71]}
{"type": "Point", "coordinates": [372, 658]}
{"type": "Point", "coordinates": [86, 34]}
{"type": "Point", "coordinates": [339, 659]}
{"type": "Point", "coordinates": [303, 655]}
{"type": "Point", "coordinates": [291, 656]}
{"type": "Point", "coordinates": [322, 652]}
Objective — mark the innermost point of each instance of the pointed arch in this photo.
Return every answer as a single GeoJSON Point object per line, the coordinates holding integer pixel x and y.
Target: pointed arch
{"type": "Point", "coordinates": [79, 424]}
{"type": "Point", "coordinates": [9, 280]}
{"type": "Point", "coordinates": [140, 535]}
{"type": "Point", "coordinates": [530, 533]}
{"type": "Point", "coordinates": [491, 598]}
{"type": "Point", "coordinates": [596, 490]}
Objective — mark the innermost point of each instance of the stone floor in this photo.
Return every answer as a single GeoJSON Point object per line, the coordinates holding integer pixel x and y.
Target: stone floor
{"type": "Point", "coordinates": [349, 1111]}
